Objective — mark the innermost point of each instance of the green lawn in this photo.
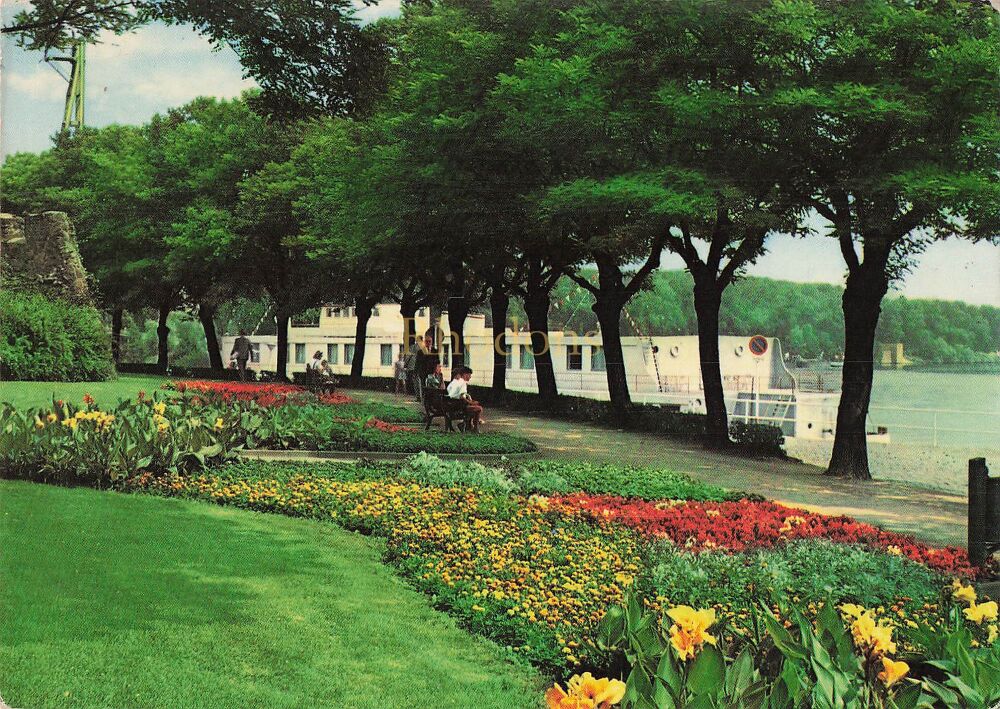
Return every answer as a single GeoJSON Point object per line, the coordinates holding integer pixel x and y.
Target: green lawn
{"type": "Point", "coordinates": [32, 394]}
{"type": "Point", "coordinates": [111, 600]}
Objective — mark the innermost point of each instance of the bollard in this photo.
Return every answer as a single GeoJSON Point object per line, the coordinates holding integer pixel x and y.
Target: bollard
{"type": "Point", "coordinates": [984, 512]}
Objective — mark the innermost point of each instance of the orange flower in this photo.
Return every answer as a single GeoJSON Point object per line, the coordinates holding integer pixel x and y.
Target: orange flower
{"type": "Point", "coordinates": [586, 692]}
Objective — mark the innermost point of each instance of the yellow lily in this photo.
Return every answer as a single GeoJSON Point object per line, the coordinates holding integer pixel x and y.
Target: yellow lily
{"type": "Point", "coordinates": [892, 671]}
{"type": "Point", "coordinates": [977, 613]}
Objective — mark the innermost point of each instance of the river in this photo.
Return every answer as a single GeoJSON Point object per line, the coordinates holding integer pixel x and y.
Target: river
{"type": "Point", "coordinates": [936, 422]}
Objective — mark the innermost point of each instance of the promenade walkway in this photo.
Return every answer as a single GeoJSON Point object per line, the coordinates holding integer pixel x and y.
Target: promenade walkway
{"type": "Point", "coordinates": [934, 517]}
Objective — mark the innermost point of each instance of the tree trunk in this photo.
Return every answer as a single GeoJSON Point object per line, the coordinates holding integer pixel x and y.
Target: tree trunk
{"type": "Point", "coordinates": [707, 301]}
{"type": "Point", "coordinates": [458, 311]}
{"type": "Point", "coordinates": [363, 310]}
{"type": "Point", "coordinates": [408, 311]}
{"type": "Point", "coordinates": [862, 303]}
{"type": "Point", "coordinates": [499, 302]}
{"type": "Point", "coordinates": [536, 307]}
{"type": "Point", "coordinates": [117, 318]}
{"type": "Point", "coordinates": [206, 314]}
{"type": "Point", "coordinates": [609, 313]}
{"type": "Point", "coordinates": [162, 336]}
{"type": "Point", "coordinates": [281, 369]}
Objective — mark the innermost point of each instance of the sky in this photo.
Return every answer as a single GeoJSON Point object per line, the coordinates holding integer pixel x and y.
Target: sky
{"type": "Point", "coordinates": [132, 77]}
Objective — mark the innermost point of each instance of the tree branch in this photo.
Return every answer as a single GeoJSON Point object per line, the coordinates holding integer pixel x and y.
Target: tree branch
{"type": "Point", "coordinates": [651, 263]}
{"type": "Point", "coordinates": [744, 252]}
{"type": "Point", "coordinates": [583, 282]}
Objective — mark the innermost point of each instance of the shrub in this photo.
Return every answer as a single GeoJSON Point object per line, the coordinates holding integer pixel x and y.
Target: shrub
{"type": "Point", "coordinates": [51, 340]}
{"type": "Point", "coordinates": [431, 470]}
{"type": "Point", "coordinates": [541, 478]}
{"type": "Point", "coordinates": [622, 480]}
{"type": "Point", "coordinates": [757, 439]}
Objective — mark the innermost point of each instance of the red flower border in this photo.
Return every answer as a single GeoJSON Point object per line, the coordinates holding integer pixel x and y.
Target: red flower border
{"type": "Point", "coordinates": [745, 525]}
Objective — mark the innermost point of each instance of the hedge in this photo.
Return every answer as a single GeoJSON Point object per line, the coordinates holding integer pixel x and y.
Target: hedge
{"type": "Point", "coordinates": [44, 339]}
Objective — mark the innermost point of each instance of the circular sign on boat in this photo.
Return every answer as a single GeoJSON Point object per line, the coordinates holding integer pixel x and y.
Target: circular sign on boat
{"type": "Point", "coordinates": [758, 345]}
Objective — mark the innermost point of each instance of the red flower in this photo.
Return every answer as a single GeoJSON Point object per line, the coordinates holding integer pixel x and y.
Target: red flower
{"type": "Point", "coordinates": [387, 427]}
{"type": "Point", "coordinates": [742, 525]}
{"type": "Point", "coordinates": [262, 393]}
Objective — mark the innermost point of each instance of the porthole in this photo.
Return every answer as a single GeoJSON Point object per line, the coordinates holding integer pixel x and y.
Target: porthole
{"type": "Point", "coordinates": [675, 350]}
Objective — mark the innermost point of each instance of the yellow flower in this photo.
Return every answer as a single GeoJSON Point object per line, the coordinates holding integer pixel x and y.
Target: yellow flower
{"type": "Point", "coordinates": [892, 671]}
{"type": "Point", "coordinates": [51, 418]}
{"type": "Point", "coordinates": [852, 610]}
{"type": "Point", "coordinates": [159, 407]}
{"type": "Point", "coordinates": [894, 550]}
{"type": "Point", "coordinates": [993, 635]}
{"type": "Point", "coordinates": [70, 423]}
{"type": "Point", "coordinates": [39, 423]}
{"type": "Point", "coordinates": [872, 638]}
{"type": "Point", "coordinates": [962, 593]}
{"type": "Point", "coordinates": [688, 633]}
{"type": "Point", "coordinates": [219, 425]}
{"type": "Point", "coordinates": [586, 692]}
{"type": "Point", "coordinates": [977, 613]}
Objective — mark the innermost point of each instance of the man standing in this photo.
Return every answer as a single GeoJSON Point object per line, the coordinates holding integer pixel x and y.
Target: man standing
{"type": "Point", "coordinates": [241, 353]}
{"type": "Point", "coordinates": [427, 357]}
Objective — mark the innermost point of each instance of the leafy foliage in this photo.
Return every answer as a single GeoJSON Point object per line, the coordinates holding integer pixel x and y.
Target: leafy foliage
{"type": "Point", "coordinates": [547, 476]}
{"type": "Point", "coordinates": [807, 570]}
{"type": "Point", "coordinates": [309, 56]}
{"type": "Point", "coordinates": [51, 340]}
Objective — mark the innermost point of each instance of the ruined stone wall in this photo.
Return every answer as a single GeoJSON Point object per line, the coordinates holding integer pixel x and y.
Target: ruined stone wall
{"type": "Point", "coordinates": [38, 252]}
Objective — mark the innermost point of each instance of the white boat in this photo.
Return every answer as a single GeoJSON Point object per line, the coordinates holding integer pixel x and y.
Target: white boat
{"type": "Point", "coordinates": [666, 370]}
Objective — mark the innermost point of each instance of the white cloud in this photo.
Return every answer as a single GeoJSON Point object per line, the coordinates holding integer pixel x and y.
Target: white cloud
{"type": "Point", "coordinates": [173, 89]}
{"type": "Point", "coordinates": [40, 84]}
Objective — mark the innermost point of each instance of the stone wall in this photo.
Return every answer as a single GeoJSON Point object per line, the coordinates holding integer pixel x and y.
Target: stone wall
{"type": "Point", "coordinates": [38, 252]}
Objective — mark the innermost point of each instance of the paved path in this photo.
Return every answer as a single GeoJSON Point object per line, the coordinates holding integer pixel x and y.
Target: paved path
{"type": "Point", "coordinates": [934, 517]}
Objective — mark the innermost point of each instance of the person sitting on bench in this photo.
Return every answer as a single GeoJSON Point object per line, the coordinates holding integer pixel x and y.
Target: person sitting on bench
{"type": "Point", "coordinates": [325, 378]}
{"type": "Point", "coordinates": [459, 389]}
{"type": "Point", "coordinates": [435, 380]}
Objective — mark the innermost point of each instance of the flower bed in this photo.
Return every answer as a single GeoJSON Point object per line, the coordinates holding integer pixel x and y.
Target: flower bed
{"type": "Point", "coordinates": [192, 428]}
{"type": "Point", "coordinates": [262, 393]}
{"type": "Point", "coordinates": [749, 524]}
{"type": "Point", "coordinates": [537, 573]}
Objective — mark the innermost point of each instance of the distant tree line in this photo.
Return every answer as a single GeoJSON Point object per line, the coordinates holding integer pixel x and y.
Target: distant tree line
{"type": "Point", "coordinates": [806, 317]}
{"type": "Point", "coordinates": [470, 154]}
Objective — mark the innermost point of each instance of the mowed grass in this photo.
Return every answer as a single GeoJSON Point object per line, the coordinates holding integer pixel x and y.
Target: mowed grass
{"type": "Point", "coordinates": [26, 395]}
{"type": "Point", "coordinates": [111, 600]}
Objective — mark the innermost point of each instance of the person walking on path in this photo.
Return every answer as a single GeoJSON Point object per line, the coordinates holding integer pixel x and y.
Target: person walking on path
{"type": "Point", "coordinates": [399, 371]}
{"type": "Point", "coordinates": [241, 353]}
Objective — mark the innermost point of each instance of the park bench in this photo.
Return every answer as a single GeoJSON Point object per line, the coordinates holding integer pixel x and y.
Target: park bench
{"type": "Point", "coordinates": [437, 404]}
{"type": "Point", "coordinates": [314, 381]}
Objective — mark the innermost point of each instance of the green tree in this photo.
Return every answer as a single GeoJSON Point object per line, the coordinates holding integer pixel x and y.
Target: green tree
{"type": "Point", "coordinates": [200, 152]}
{"type": "Point", "coordinates": [891, 110]}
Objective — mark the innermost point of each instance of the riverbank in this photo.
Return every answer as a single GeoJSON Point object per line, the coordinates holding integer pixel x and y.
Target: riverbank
{"type": "Point", "coordinates": [940, 468]}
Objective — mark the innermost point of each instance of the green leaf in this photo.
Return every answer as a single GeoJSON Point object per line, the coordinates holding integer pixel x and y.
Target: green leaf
{"type": "Point", "coordinates": [707, 673]}
{"type": "Point", "coordinates": [668, 672]}
{"type": "Point", "coordinates": [740, 673]}
{"type": "Point", "coordinates": [782, 638]}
